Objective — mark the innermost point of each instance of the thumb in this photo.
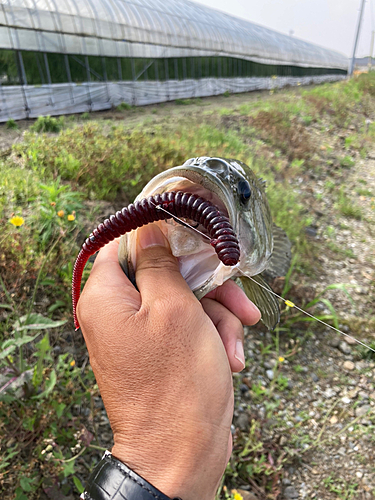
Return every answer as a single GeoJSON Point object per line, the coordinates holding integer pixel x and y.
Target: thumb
{"type": "Point", "coordinates": [157, 271]}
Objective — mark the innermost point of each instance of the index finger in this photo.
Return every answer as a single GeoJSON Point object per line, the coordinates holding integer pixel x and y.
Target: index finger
{"type": "Point", "coordinates": [235, 299]}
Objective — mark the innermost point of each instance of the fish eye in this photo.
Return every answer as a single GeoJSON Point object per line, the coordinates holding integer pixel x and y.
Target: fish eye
{"type": "Point", "coordinates": [217, 165]}
{"type": "Point", "coordinates": [244, 191]}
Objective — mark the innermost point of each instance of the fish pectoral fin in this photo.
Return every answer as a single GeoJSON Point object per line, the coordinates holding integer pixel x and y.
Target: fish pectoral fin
{"type": "Point", "coordinates": [281, 257]}
{"type": "Point", "coordinates": [263, 298]}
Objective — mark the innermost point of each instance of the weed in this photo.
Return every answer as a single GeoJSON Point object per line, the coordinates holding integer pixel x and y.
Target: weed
{"type": "Point", "coordinates": [11, 124]}
{"type": "Point", "coordinates": [116, 165]}
{"type": "Point", "coordinates": [258, 391]}
{"type": "Point", "coordinates": [347, 162]}
{"type": "Point", "coordinates": [226, 93]}
{"type": "Point", "coordinates": [307, 120]}
{"type": "Point", "coordinates": [285, 132]}
{"type": "Point", "coordinates": [48, 124]}
{"type": "Point", "coordinates": [257, 461]}
{"type": "Point", "coordinates": [364, 192]}
{"type": "Point", "coordinates": [282, 382]}
{"type": "Point", "coordinates": [85, 116]}
{"type": "Point", "coordinates": [298, 368]}
{"type": "Point", "coordinates": [183, 102]}
{"type": "Point", "coordinates": [56, 213]}
{"type": "Point", "coordinates": [342, 488]}
{"type": "Point", "coordinates": [334, 100]}
{"type": "Point", "coordinates": [346, 252]}
{"type": "Point", "coordinates": [186, 102]}
{"type": "Point", "coordinates": [292, 317]}
{"type": "Point", "coordinates": [366, 83]}
{"type": "Point", "coordinates": [329, 185]}
{"type": "Point", "coordinates": [123, 106]}
{"type": "Point", "coordinates": [350, 141]}
{"type": "Point", "coordinates": [297, 164]}
{"type": "Point", "coordinates": [366, 353]}
{"type": "Point", "coordinates": [347, 207]}
{"type": "Point", "coordinates": [225, 112]}
{"type": "Point", "coordinates": [330, 231]}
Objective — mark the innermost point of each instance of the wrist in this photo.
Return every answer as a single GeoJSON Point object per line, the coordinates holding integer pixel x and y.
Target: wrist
{"type": "Point", "coordinates": [114, 480]}
{"type": "Point", "coordinates": [172, 477]}
{"type": "Point", "coordinates": [184, 471]}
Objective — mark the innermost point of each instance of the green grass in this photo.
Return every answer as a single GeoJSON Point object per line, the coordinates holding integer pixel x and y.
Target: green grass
{"type": "Point", "coordinates": [347, 207]}
{"type": "Point", "coordinates": [186, 102]}
{"type": "Point", "coordinates": [11, 124]}
{"type": "Point", "coordinates": [48, 124]}
{"type": "Point", "coordinates": [124, 106]}
{"type": "Point", "coordinates": [364, 192]}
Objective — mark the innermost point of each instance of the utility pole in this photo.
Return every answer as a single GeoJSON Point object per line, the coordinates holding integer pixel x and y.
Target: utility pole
{"type": "Point", "coordinates": [351, 67]}
{"type": "Point", "coordinates": [371, 51]}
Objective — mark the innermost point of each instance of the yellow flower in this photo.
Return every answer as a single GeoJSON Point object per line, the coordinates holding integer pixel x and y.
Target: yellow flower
{"type": "Point", "coordinates": [236, 495]}
{"type": "Point", "coordinates": [61, 213]}
{"type": "Point", "coordinates": [281, 359]}
{"type": "Point", "coordinates": [72, 363]}
{"type": "Point", "coordinates": [71, 217]}
{"type": "Point", "coordinates": [17, 221]}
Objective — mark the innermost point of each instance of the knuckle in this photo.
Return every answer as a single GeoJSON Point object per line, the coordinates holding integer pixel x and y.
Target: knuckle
{"type": "Point", "coordinates": [237, 327]}
{"type": "Point", "coordinates": [88, 305]}
{"type": "Point", "coordinates": [171, 313]}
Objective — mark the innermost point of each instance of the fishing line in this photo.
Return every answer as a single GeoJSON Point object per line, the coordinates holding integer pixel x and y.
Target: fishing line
{"type": "Point", "coordinates": [180, 221]}
{"type": "Point", "coordinates": [291, 305]}
{"type": "Point", "coordinates": [288, 303]}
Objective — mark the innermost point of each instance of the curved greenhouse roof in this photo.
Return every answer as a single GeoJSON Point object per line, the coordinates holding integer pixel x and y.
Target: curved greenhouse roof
{"type": "Point", "coordinates": [73, 56]}
{"type": "Point", "coordinates": [150, 29]}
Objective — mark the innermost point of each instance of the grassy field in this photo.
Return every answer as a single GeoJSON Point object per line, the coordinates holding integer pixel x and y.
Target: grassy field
{"type": "Point", "coordinates": [64, 175]}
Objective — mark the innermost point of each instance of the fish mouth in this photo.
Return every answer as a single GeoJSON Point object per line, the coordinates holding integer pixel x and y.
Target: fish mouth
{"type": "Point", "coordinates": [197, 181]}
{"type": "Point", "coordinates": [198, 261]}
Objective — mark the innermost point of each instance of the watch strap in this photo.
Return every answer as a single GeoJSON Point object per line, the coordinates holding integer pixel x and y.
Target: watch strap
{"type": "Point", "coordinates": [113, 480]}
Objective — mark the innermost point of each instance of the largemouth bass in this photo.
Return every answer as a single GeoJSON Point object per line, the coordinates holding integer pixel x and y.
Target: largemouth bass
{"type": "Point", "coordinates": [234, 188]}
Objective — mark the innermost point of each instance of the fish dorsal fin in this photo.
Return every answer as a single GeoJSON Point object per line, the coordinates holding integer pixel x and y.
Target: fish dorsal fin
{"type": "Point", "coordinates": [281, 257]}
{"type": "Point", "coordinates": [263, 299]}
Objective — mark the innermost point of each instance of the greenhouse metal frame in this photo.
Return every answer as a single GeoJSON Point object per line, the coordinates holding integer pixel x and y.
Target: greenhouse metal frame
{"type": "Point", "coordinates": [70, 56]}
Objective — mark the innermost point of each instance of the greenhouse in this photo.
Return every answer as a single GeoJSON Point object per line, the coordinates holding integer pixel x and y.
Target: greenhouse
{"type": "Point", "coordinates": [71, 56]}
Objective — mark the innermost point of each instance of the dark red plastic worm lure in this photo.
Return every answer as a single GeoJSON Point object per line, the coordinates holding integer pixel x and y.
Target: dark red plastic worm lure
{"type": "Point", "coordinates": [136, 215]}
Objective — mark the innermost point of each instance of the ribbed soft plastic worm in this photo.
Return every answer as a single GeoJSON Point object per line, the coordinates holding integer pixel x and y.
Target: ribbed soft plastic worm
{"type": "Point", "coordinates": [136, 215]}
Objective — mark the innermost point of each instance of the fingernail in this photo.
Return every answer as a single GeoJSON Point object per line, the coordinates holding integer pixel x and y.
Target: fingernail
{"type": "Point", "coordinates": [239, 353]}
{"type": "Point", "coordinates": [151, 236]}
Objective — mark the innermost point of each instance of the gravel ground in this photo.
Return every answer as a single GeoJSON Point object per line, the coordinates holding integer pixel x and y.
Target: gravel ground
{"type": "Point", "coordinates": [324, 417]}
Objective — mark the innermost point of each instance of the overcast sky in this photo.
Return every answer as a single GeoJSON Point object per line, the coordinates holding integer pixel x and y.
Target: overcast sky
{"type": "Point", "coordinates": [329, 23]}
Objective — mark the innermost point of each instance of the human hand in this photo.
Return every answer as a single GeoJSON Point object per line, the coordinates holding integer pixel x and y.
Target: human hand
{"type": "Point", "coordinates": [163, 364]}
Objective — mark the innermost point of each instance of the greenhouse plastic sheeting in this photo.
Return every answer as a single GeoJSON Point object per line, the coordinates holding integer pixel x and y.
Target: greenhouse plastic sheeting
{"type": "Point", "coordinates": [149, 29]}
{"type": "Point", "coordinates": [20, 102]}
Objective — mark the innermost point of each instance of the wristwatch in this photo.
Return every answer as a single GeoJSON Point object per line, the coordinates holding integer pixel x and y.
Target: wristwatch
{"type": "Point", "coordinates": [113, 480]}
